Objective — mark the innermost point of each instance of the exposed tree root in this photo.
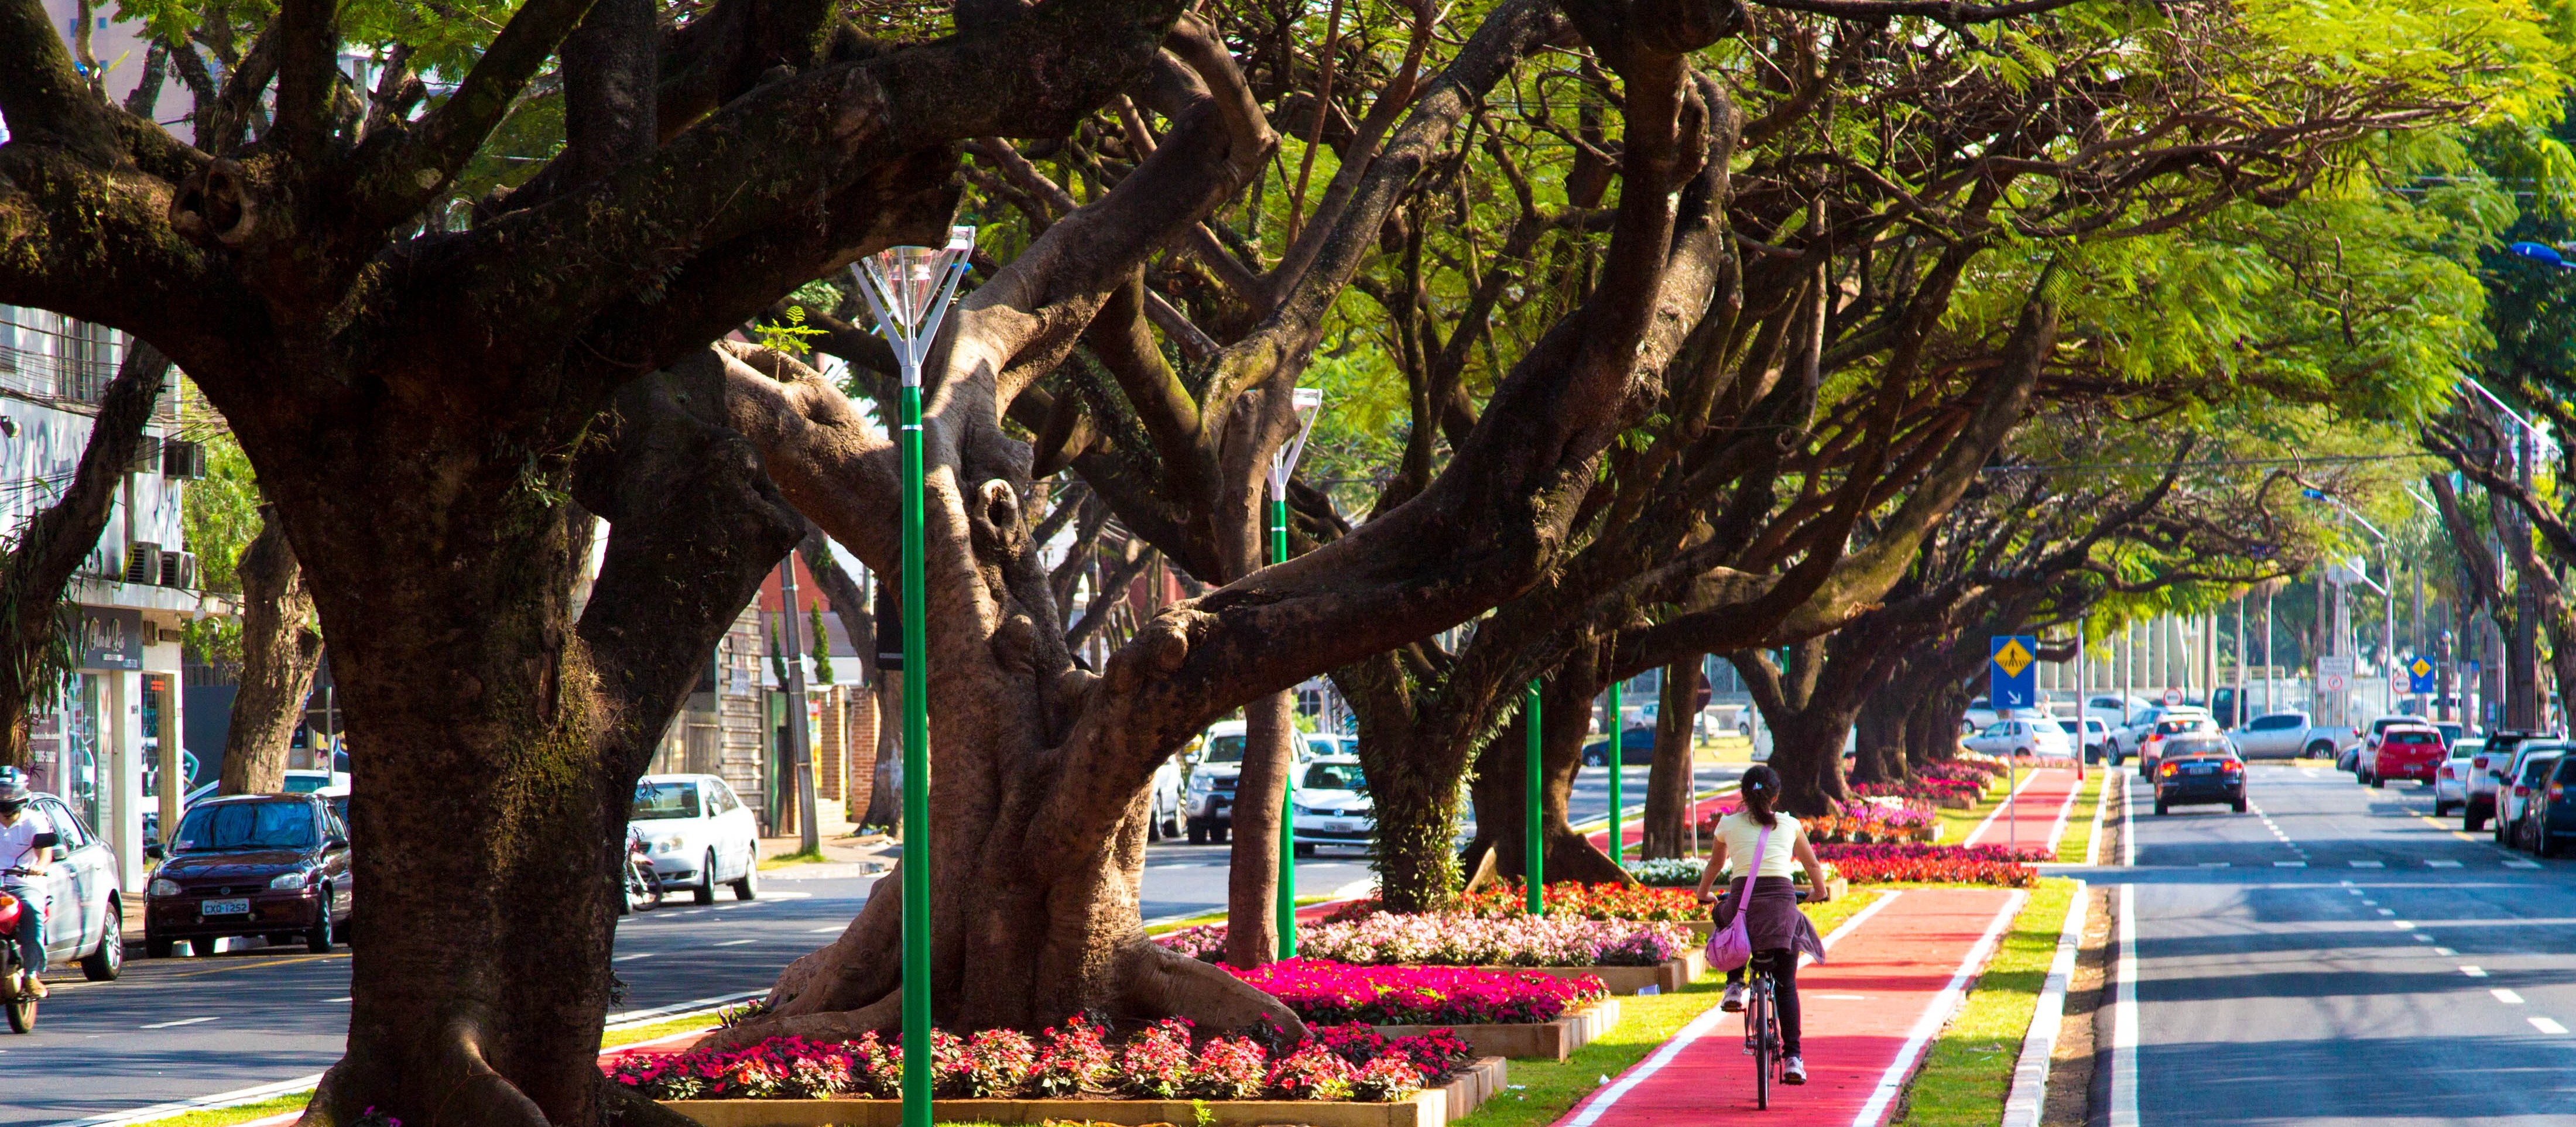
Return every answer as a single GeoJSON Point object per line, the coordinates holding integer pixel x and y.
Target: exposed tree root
{"type": "Point", "coordinates": [1153, 982]}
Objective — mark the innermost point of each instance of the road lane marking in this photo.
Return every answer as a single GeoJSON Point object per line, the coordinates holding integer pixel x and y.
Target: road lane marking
{"type": "Point", "coordinates": [2289, 864]}
{"type": "Point", "coordinates": [2384, 911]}
{"type": "Point", "coordinates": [2519, 863]}
{"type": "Point", "coordinates": [256, 965]}
{"type": "Point", "coordinates": [2215, 864]}
{"type": "Point", "coordinates": [2420, 937]}
{"type": "Point", "coordinates": [341, 999]}
{"type": "Point", "coordinates": [2505, 996]}
{"type": "Point", "coordinates": [175, 1024]}
{"type": "Point", "coordinates": [633, 957]}
{"type": "Point", "coordinates": [2370, 864]}
{"type": "Point", "coordinates": [2441, 864]}
{"type": "Point", "coordinates": [2401, 925]}
{"type": "Point", "coordinates": [736, 942]}
{"type": "Point", "coordinates": [1937, 1015]}
{"type": "Point", "coordinates": [2124, 1014]}
{"type": "Point", "coordinates": [2547, 1026]}
{"type": "Point", "coordinates": [2444, 952]}
{"type": "Point", "coordinates": [2474, 972]}
{"type": "Point", "coordinates": [835, 929]}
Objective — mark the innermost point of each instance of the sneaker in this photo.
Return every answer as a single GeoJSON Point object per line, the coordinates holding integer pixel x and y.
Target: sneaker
{"type": "Point", "coordinates": [1793, 1071]}
{"type": "Point", "coordinates": [36, 988]}
{"type": "Point", "coordinates": [1734, 1001]}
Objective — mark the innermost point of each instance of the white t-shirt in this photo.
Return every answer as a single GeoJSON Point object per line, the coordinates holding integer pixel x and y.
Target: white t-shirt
{"type": "Point", "coordinates": [1739, 831]}
{"type": "Point", "coordinates": [18, 841]}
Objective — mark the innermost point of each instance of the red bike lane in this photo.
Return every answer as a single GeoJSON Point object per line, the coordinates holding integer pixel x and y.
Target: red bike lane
{"type": "Point", "coordinates": [1871, 1012]}
{"type": "Point", "coordinates": [2036, 816]}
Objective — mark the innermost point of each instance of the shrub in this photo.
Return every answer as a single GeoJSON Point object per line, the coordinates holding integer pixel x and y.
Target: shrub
{"type": "Point", "coordinates": [1940, 864]}
{"type": "Point", "coordinates": [1156, 1063]}
{"type": "Point", "coordinates": [993, 1064]}
{"type": "Point", "coordinates": [1311, 1073]}
{"type": "Point", "coordinates": [1386, 1080]}
{"type": "Point", "coordinates": [1456, 939]}
{"type": "Point", "coordinates": [1072, 1059]}
{"type": "Point", "coordinates": [1321, 991]}
{"type": "Point", "coordinates": [1229, 1068]}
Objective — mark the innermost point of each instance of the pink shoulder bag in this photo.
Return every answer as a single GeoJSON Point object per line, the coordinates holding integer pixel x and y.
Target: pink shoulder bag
{"type": "Point", "coordinates": [1731, 946]}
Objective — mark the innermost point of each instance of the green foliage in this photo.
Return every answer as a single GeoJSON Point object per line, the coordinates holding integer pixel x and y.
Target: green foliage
{"type": "Point", "coordinates": [788, 336]}
{"type": "Point", "coordinates": [822, 645]}
{"type": "Point", "coordinates": [221, 512]}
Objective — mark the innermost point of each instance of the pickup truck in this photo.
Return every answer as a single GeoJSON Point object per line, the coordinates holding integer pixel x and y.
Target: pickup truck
{"type": "Point", "coordinates": [2289, 735]}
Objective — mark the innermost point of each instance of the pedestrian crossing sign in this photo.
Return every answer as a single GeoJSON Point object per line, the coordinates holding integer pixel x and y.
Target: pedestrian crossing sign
{"type": "Point", "coordinates": [2011, 680]}
{"type": "Point", "coordinates": [2419, 676]}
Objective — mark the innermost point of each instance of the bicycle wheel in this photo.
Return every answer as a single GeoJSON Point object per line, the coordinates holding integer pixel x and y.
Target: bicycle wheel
{"type": "Point", "coordinates": [1765, 1043]}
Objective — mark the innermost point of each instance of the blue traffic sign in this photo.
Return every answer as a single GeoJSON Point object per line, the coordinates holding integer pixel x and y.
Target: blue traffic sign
{"type": "Point", "coordinates": [2419, 676]}
{"type": "Point", "coordinates": [2012, 672]}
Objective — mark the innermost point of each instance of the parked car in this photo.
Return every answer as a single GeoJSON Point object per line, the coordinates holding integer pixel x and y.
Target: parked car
{"type": "Point", "coordinates": [84, 911]}
{"type": "Point", "coordinates": [2487, 770]}
{"type": "Point", "coordinates": [2403, 751]}
{"type": "Point", "coordinates": [2451, 779]}
{"type": "Point", "coordinates": [2367, 741]}
{"type": "Point", "coordinates": [1329, 804]}
{"type": "Point", "coordinates": [1164, 819]}
{"type": "Point", "coordinates": [2036, 736]}
{"type": "Point", "coordinates": [2532, 763]}
{"type": "Point", "coordinates": [700, 835]}
{"type": "Point", "coordinates": [2097, 736]}
{"type": "Point", "coordinates": [2285, 735]}
{"type": "Point", "coordinates": [2199, 770]}
{"type": "Point", "coordinates": [2553, 818]}
{"type": "Point", "coordinates": [2128, 740]}
{"type": "Point", "coordinates": [2151, 740]}
{"type": "Point", "coordinates": [1207, 799]}
{"type": "Point", "coordinates": [2116, 711]}
{"type": "Point", "coordinates": [1636, 745]}
{"type": "Point", "coordinates": [275, 865]}
{"type": "Point", "coordinates": [298, 780]}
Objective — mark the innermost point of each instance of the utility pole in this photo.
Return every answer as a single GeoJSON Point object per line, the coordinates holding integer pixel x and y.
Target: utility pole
{"type": "Point", "coordinates": [800, 746]}
{"type": "Point", "coordinates": [2522, 704]}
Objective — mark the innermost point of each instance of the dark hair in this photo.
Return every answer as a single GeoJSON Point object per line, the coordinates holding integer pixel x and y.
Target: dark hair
{"type": "Point", "coordinates": [1760, 787]}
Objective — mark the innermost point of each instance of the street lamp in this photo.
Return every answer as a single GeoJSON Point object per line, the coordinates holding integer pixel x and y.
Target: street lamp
{"type": "Point", "coordinates": [1618, 765]}
{"type": "Point", "coordinates": [1307, 402]}
{"type": "Point", "coordinates": [908, 290]}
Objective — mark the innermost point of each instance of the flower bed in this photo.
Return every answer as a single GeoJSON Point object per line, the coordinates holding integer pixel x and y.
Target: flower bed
{"type": "Point", "coordinates": [1073, 1060]}
{"type": "Point", "coordinates": [1462, 940]}
{"type": "Point", "coordinates": [1669, 872]}
{"type": "Point", "coordinates": [1943, 864]}
{"type": "Point", "coordinates": [1864, 821]}
{"type": "Point", "coordinates": [1604, 901]}
{"type": "Point", "coordinates": [1330, 993]}
{"type": "Point", "coordinates": [1945, 794]}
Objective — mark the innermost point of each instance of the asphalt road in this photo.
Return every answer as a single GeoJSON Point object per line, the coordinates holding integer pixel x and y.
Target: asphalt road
{"type": "Point", "coordinates": [184, 1028]}
{"type": "Point", "coordinates": [2334, 956]}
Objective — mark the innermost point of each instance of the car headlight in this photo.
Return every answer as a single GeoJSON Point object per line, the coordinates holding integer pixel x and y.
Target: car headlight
{"type": "Point", "coordinates": [295, 879]}
{"type": "Point", "coordinates": [164, 886]}
{"type": "Point", "coordinates": [1199, 784]}
{"type": "Point", "coordinates": [1301, 808]}
{"type": "Point", "coordinates": [667, 845]}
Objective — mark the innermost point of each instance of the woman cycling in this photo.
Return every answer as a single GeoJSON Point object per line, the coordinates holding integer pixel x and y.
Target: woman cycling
{"type": "Point", "coordinates": [1779, 931]}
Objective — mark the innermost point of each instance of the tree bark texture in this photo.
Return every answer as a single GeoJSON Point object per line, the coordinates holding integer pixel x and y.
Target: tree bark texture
{"type": "Point", "coordinates": [54, 542]}
{"type": "Point", "coordinates": [1501, 788]}
{"type": "Point", "coordinates": [280, 651]}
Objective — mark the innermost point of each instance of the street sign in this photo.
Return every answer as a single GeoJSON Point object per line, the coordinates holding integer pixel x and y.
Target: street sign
{"type": "Point", "coordinates": [2173, 696]}
{"type": "Point", "coordinates": [2335, 663]}
{"type": "Point", "coordinates": [2419, 677]}
{"type": "Point", "coordinates": [2012, 679]}
{"type": "Point", "coordinates": [2334, 682]}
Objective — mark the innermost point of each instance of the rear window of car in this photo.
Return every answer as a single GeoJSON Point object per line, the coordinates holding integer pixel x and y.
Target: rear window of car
{"type": "Point", "coordinates": [2537, 769]}
{"type": "Point", "coordinates": [2566, 771]}
{"type": "Point", "coordinates": [247, 825]}
{"type": "Point", "coordinates": [2419, 738]}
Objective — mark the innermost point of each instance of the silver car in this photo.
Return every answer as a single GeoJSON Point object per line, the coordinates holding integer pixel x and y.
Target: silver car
{"type": "Point", "coordinates": [2451, 779]}
{"type": "Point", "coordinates": [84, 911]}
{"type": "Point", "coordinates": [2529, 773]}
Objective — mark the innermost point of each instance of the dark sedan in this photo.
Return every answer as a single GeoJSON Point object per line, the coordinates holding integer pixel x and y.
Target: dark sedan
{"type": "Point", "coordinates": [2199, 773]}
{"type": "Point", "coordinates": [1636, 745]}
{"type": "Point", "coordinates": [275, 865]}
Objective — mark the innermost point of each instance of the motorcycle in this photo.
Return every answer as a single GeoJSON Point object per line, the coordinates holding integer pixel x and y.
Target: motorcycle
{"type": "Point", "coordinates": [641, 886]}
{"type": "Point", "coordinates": [18, 1002]}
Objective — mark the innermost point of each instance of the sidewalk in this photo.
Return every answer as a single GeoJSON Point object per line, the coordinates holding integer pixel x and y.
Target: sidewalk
{"type": "Point", "coordinates": [843, 857]}
{"type": "Point", "coordinates": [1871, 1013]}
{"type": "Point", "coordinates": [2037, 816]}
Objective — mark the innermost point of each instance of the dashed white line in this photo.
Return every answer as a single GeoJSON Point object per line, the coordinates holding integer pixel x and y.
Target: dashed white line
{"type": "Point", "coordinates": [2401, 925]}
{"type": "Point", "coordinates": [2289, 864]}
{"type": "Point", "coordinates": [2547, 1026]}
{"type": "Point", "coordinates": [174, 1024]}
{"type": "Point", "coordinates": [2505, 996]}
{"type": "Point", "coordinates": [2216, 864]}
{"type": "Point", "coordinates": [736, 942]}
{"type": "Point", "coordinates": [2441, 864]}
{"type": "Point", "coordinates": [2474, 972]}
{"type": "Point", "coordinates": [2370, 864]}
{"type": "Point", "coordinates": [2519, 863]}
{"type": "Point", "coordinates": [2384, 911]}
{"type": "Point", "coordinates": [2444, 952]}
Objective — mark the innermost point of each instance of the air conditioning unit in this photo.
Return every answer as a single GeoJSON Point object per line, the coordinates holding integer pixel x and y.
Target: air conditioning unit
{"type": "Point", "coordinates": [179, 569]}
{"type": "Point", "coordinates": [147, 456]}
{"type": "Point", "coordinates": [181, 458]}
{"type": "Point", "coordinates": [142, 562]}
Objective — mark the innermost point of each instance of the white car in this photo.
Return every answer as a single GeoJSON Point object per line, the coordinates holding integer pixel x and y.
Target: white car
{"type": "Point", "coordinates": [1329, 804]}
{"type": "Point", "coordinates": [698, 834]}
{"type": "Point", "coordinates": [2451, 779]}
{"type": "Point", "coordinates": [1164, 817]}
{"type": "Point", "coordinates": [2035, 736]}
{"type": "Point", "coordinates": [84, 912]}
{"type": "Point", "coordinates": [1207, 803]}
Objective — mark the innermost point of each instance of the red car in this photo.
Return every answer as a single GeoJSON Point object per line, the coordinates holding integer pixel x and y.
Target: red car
{"type": "Point", "coordinates": [2411, 751]}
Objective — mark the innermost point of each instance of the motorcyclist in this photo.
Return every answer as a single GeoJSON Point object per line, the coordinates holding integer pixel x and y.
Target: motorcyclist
{"type": "Point", "coordinates": [20, 822]}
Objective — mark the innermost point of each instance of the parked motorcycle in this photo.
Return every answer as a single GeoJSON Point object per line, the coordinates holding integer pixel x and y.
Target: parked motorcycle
{"type": "Point", "coordinates": [642, 886]}
{"type": "Point", "coordinates": [19, 1003]}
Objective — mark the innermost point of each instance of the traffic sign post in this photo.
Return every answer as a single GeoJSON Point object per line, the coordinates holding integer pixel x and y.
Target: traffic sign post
{"type": "Point", "coordinates": [2012, 681]}
{"type": "Point", "coordinates": [2173, 697]}
{"type": "Point", "coordinates": [2419, 676]}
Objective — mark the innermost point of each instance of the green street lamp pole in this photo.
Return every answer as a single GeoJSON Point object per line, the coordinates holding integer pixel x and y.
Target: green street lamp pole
{"type": "Point", "coordinates": [908, 289]}
{"type": "Point", "coordinates": [1618, 760]}
{"type": "Point", "coordinates": [1307, 402]}
{"type": "Point", "coordinates": [1533, 851]}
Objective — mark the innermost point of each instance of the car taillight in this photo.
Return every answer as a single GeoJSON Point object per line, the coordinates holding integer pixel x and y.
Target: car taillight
{"type": "Point", "coordinates": [2556, 789]}
{"type": "Point", "coordinates": [2170, 768]}
{"type": "Point", "coordinates": [2480, 763]}
{"type": "Point", "coordinates": [2520, 790]}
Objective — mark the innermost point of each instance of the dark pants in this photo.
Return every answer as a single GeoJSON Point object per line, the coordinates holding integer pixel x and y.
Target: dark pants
{"type": "Point", "coordinates": [1783, 965]}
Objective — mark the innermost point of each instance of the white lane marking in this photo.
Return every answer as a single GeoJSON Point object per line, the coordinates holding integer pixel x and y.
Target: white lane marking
{"type": "Point", "coordinates": [2289, 864]}
{"type": "Point", "coordinates": [2310, 772]}
{"type": "Point", "coordinates": [1700, 1027]}
{"type": "Point", "coordinates": [836, 929]}
{"type": "Point", "coordinates": [2420, 937]}
{"type": "Point", "coordinates": [2382, 911]}
{"type": "Point", "coordinates": [2124, 1015]}
{"type": "Point", "coordinates": [2128, 826]}
{"type": "Point", "coordinates": [2505, 996]}
{"type": "Point", "coordinates": [2370, 864]}
{"type": "Point", "coordinates": [2367, 902]}
{"type": "Point", "coordinates": [2444, 952]}
{"type": "Point", "coordinates": [2474, 972]}
{"type": "Point", "coordinates": [2518, 863]}
{"type": "Point", "coordinates": [354, 999]}
{"type": "Point", "coordinates": [2441, 864]}
{"type": "Point", "coordinates": [2547, 1026]}
{"type": "Point", "coordinates": [650, 954]}
{"type": "Point", "coordinates": [2401, 925]}
{"type": "Point", "coordinates": [175, 1024]}
{"type": "Point", "coordinates": [2024, 1102]}
{"type": "Point", "coordinates": [1937, 1015]}
{"type": "Point", "coordinates": [2204, 864]}
{"type": "Point", "coordinates": [736, 942]}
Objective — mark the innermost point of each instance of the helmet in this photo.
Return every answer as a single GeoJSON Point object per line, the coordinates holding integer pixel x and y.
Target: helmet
{"type": "Point", "coordinates": [14, 795]}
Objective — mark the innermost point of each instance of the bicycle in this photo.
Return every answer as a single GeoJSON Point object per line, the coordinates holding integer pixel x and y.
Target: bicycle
{"type": "Point", "coordinates": [1762, 1021]}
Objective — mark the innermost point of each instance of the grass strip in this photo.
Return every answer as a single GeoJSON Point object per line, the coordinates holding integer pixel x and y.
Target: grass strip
{"type": "Point", "coordinates": [1968, 1073]}
{"type": "Point", "coordinates": [2079, 821]}
{"type": "Point", "coordinates": [1542, 1091]}
{"type": "Point", "coordinates": [800, 857]}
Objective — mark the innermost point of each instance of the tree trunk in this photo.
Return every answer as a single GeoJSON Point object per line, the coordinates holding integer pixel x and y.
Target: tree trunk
{"type": "Point", "coordinates": [1669, 782]}
{"type": "Point", "coordinates": [54, 542]}
{"type": "Point", "coordinates": [1413, 757]}
{"type": "Point", "coordinates": [1807, 750]}
{"type": "Point", "coordinates": [1502, 794]}
{"type": "Point", "coordinates": [280, 650]}
{"type": "Point", "coordinates": [1882, 731]}
{"type": "Point", "coordinates": [885, 803]}
{"type": "Point", "coordinates": [1260, 810]}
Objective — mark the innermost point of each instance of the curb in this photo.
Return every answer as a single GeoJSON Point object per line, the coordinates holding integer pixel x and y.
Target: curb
{"type": "Point", "coordinates": [2029, 1093]}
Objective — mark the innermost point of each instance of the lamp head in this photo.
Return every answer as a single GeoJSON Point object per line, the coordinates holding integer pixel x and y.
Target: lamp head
{"type": "Point", "coordinates": [2539, 252]}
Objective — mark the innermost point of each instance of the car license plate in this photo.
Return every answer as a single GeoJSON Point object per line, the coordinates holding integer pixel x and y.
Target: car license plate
{"type": "Point", "coordinates": [239, 906]}
{"type": "Point", "coordinates": [1339, 827]}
